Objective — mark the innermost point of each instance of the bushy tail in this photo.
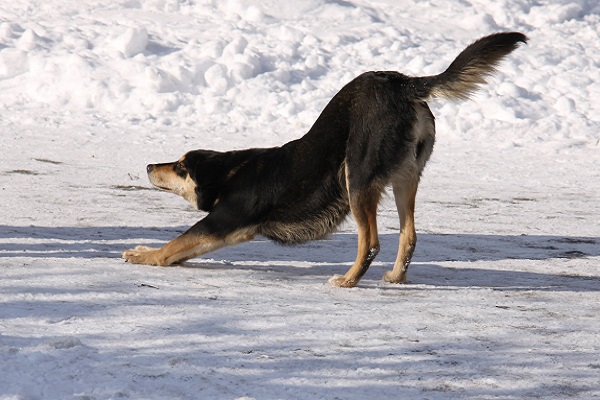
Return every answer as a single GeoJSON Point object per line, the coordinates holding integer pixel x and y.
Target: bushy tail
{"type": "Point", "coordinates": [471, 68]}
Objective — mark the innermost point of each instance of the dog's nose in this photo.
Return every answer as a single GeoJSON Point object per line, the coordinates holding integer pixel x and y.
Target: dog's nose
{"type": "Point", "coordinates": [150, 168]}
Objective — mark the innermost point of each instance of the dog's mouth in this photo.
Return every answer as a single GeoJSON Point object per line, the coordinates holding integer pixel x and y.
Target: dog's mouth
{"type": "Point", "coordinates": [166, 188]}
{"type": "Point", "coordinates": [159, 182]}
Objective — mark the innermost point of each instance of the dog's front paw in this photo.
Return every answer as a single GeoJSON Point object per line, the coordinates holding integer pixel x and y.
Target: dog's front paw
{"type": "Point", "coordinates": [144, 255]}
{"type": "Point", "coordinates": [342, 281]}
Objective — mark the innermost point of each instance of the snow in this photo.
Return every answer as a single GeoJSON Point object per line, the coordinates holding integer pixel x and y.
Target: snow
{"type": "Point", "coordinates": [503, 295]}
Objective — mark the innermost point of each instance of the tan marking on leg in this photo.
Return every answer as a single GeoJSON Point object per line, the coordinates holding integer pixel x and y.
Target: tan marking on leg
{"type": "Point", "coordinates": [404, 194]}
{"type": "Point", "coordinates": [184, 247]}
{"type": "Point", "coordinates": [364, 210]}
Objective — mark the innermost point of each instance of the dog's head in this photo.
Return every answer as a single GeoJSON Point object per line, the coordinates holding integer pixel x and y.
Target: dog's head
{"type": "Point", "coordinates": [187, 177]}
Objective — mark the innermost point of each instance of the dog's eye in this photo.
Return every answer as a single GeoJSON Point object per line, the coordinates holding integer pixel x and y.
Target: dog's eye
{"type": "Point", "coordinates": [180, 169]}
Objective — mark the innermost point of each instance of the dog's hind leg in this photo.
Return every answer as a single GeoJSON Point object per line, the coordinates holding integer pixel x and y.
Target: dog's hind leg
{"type": "Point", "coordinates": [405, 192]}
{"type": "Point", "coordinates": [364, 209]}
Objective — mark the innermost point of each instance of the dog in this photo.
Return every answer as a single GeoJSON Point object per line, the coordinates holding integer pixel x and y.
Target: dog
{"type": "Point", "coordinates": [376, 131]}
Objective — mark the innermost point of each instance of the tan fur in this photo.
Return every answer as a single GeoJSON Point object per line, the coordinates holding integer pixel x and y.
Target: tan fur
{"type": "Point", "coordinates": [462, 89]}
{"type": "Point", "coordinates": [364, 211]}
{"type": "Point", "coordinates": [164, 178]}
{"type": "Point", "coordinates": [404, 195]}
{"type": "Point", "coordinates": [185, 247]}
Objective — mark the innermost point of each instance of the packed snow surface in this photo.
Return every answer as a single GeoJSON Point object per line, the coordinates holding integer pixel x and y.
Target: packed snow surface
{"type": "Point", "coordinates": [503, 297]}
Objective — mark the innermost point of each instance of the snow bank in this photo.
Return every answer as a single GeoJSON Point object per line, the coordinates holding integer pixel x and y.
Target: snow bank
{"type": "Point", "coordinates": [184, 64]}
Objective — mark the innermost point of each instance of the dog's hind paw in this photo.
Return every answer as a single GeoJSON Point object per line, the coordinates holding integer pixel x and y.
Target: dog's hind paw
{"type": "Point", "coordinates": [392, 277]}
{"type": "Point", "coordinates": [341, 281]}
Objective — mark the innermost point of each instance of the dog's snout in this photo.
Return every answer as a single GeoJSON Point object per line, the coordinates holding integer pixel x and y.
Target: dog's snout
{"type": "Point", "coordinates": [150, 168]}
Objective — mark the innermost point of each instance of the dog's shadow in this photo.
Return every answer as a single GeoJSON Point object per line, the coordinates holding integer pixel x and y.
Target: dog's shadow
{"type": "Point", "coordinates": [335, 255]}
{"type": "Point", "coordinates": [326, 257]}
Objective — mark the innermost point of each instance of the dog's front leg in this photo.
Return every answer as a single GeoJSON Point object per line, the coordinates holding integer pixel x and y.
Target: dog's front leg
{"type": "Point", "coordinates": [195, 242]}
{"type": "Point", "coordinates": [178, 250]}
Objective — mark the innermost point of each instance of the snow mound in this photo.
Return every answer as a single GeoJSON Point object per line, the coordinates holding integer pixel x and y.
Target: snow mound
{"type": "Point", "coordinates": [131, 42]}
{"type": "Point", "coordinates": [192, 70]}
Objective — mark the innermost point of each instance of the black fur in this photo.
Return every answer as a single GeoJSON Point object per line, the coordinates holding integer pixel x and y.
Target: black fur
{"type": "Point", "coordinates": [298, 192]}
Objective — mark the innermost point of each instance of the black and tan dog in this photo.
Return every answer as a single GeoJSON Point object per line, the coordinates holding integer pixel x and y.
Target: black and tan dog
{"type": "Point", "coordinates": [377, 131]}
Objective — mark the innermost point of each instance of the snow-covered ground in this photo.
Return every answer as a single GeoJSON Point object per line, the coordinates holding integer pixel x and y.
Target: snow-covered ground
{"type": "Point", "coordinates": [503, 298]}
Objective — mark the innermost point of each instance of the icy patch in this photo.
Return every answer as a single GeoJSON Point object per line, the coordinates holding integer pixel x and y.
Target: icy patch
{"type": "Point", "coordinates": [64, 343]}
